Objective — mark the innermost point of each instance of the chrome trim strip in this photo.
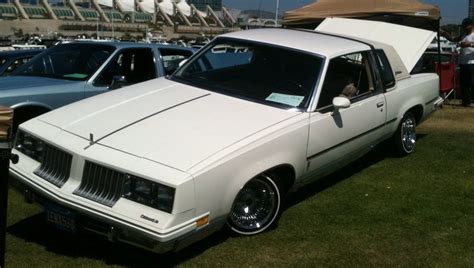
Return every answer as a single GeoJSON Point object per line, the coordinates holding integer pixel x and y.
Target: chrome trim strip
{"type": "Point", "coordinates": [101, 184]}
{"type": "Point", "coordinates": [431, 101]}
{"type": "Point", "coordinates": [349, 140]}
{"type": "Point", "coordinates": [55, 166]}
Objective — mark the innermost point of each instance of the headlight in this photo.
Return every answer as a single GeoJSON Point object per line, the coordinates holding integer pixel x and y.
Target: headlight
{"type": "Point", "coordinates": [149, 193]}
{"type": "Point", "coordinates": [29, 145]}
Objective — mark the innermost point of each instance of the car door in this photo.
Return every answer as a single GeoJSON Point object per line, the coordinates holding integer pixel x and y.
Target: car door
{"type": "Point", "coordinates": [337, 137]}
{"type": "Point", "coordinates": [128, 66]}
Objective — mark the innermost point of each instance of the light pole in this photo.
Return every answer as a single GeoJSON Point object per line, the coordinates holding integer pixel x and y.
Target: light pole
{"type": "Point", "coordinates": [276, 13]}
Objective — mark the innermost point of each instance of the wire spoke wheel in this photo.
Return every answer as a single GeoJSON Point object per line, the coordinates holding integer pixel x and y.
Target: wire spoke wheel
{"type": "Point", "coordinates": [405, 137]}
{"type": "Point", "coordinates": [408, 134]}
{"type": "Point", "coordinates": [256, 206]}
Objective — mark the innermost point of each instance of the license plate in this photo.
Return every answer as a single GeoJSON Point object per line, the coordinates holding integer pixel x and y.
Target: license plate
{"type": "Point", "coordinates": [61, 218]}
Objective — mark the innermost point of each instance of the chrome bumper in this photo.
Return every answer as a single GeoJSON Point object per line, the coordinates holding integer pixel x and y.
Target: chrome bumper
{"type": "Point", "coordinates": [438, 103]}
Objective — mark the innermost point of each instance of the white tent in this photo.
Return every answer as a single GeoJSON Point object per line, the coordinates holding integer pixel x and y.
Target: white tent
{"type": "Point", "coordinates": [127, 5]}
{"type": "Point", "coordinates": [107, 3]}
{"type": "Point", "coordinates": [184, 7]}
{"type": "Point", "coordinates": [148, 6]}
{"type": "Point", "coordinates": [166, 6]}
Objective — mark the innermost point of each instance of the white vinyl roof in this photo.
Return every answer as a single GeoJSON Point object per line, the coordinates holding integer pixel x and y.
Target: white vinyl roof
{"type": "Point", "coordinates": [317, 43]}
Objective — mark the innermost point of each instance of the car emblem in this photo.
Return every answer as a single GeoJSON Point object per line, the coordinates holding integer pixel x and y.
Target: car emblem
{"type": "Point", "coordinates": [149, 218]}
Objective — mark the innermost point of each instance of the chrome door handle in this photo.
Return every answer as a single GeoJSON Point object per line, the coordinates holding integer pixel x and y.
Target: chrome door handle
{"type": "Point", "coordinates": [380, 104]}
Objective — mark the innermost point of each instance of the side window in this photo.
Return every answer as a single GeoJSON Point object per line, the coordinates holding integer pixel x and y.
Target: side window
{"type": "Point", "coordinates": [14, 65]}
{"type": "Point", "coordinates": [172, 57]}
{"type": "Point", "coordinates": [348, 76]}
{"type": "Point", "coordinates": [136, 65]}
{"type": "Point", "coordinates": [386, 72]}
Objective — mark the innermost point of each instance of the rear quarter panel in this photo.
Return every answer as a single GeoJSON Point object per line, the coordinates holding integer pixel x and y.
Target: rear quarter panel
{"type": "Point", "coordinates": [417, 90]}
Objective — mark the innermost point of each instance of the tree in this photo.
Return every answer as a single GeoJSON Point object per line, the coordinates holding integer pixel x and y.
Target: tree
{"type": "Point", "coordinates": [452, 29]}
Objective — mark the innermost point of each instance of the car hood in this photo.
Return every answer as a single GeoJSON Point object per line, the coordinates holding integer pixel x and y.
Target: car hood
{"type": "Point", "coordinates": [166, 122]}
{"type": "Point", "coordinates": [17, 82]}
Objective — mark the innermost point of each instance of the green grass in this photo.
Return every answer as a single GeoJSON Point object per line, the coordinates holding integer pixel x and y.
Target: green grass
{"type": "Point", "coordinates": [380, 211]}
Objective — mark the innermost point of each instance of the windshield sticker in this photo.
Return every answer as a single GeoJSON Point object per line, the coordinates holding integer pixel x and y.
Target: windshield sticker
{"type": "Point", "coordinates": [77, 76]}
{"type": "Point", "coordinates": [291, 100]}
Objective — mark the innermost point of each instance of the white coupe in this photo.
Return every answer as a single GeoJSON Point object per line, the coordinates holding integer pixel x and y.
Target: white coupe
{"type": "Point", "coordinates": [250, 118]}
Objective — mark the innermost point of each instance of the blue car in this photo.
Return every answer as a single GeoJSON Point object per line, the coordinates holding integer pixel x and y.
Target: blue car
{"type": "Point", "coordinates": [73, 71]}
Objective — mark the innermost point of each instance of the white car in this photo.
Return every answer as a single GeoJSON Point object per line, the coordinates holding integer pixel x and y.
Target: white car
{"type": "Point", "coordinates": [166, 162]}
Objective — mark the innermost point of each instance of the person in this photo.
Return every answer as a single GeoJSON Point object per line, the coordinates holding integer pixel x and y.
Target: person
{"type": "Point", "coordinates": [466, 58]}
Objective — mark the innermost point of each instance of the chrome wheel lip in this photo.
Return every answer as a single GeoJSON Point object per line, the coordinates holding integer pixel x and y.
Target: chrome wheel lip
{"type": "Point", "coordinates": [246, 210]}
{"type": "Point", "coordinates": [408, 134]}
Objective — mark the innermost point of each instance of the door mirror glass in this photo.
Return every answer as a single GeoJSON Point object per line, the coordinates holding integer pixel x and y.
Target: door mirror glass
{"type": "Point", "coordinates": [118, 81]}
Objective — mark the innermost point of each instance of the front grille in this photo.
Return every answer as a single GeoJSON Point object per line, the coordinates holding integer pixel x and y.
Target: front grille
{"type": "Point", "coordinates": [55, 166]}
{"type": "Point", "coordinates": [101, 184]}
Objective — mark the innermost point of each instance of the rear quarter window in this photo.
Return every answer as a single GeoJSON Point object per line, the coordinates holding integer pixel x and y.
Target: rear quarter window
{"type": "Point", "coordinates": [386, 73]}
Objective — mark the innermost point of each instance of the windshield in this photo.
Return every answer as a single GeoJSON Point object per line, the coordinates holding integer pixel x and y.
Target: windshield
{"type": "Point", "coordinates": [68, 61]}
{"type": "Point", "coordinates": [257, 72]}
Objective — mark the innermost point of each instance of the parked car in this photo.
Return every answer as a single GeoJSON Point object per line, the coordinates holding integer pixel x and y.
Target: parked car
{"type": "Point", "coordinates": [221, 142]}
{"type": "Point", "coordinates": [76, 70]}
{"type": "Point", "coordinates": [11, 60]}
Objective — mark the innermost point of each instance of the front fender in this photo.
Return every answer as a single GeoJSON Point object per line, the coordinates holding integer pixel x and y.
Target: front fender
{"type": "Point", "coordinates": [31, 104]}
{"type": "Point", "coordinates": [217, 184]}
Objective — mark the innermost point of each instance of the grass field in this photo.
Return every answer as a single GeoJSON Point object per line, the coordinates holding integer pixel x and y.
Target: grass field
{"type": "Point", "coordinates": [379, 211]}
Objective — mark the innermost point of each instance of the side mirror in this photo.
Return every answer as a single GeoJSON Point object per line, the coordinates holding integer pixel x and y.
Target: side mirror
{"type": "Point", "coordinates": [340, 103]}
{"type": "Point", "coordinates": [181, 63]}
{"type": "Point", "coordinates": [118, 81]}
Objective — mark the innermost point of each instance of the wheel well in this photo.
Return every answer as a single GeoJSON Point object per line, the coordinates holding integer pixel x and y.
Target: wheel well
{"type": "Point", "coordinates": [286, 173]}
{"type": "Point", "coordinates": [24, 113]}
{"type": "Point", "coordinates": [417, 112]}
{"type": "Point", "coordinates": [32, 109]}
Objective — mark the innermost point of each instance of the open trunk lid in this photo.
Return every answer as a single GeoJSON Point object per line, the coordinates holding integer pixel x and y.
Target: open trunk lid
{"type": "Point", "coordinates": [410, 43]}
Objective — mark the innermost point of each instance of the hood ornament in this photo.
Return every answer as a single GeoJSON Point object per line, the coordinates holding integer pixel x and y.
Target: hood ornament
{"type": "Point", "coordinates": [91, 139]}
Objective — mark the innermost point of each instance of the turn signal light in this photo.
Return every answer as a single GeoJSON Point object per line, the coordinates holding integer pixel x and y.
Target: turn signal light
{"type": "Point", "coordinates": [202, 221]}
